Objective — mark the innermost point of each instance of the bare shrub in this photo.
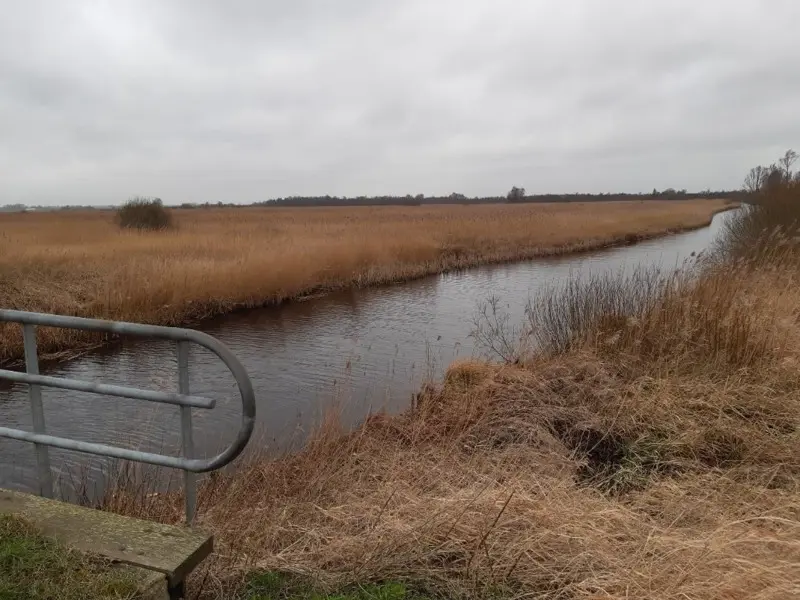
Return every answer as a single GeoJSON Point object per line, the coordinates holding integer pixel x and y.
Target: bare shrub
{"type": "Point", "coordinates": [144, 214]}
{"type": "Point", "coordinates": [561, 318]}
{"type": "Point", "coordinates": [496, 335]}
{"type": "Point", "coordinates": [772, 219]}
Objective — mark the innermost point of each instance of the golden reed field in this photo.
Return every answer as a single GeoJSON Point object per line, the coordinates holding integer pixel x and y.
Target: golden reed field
{"type": "Point", "coordinates": [648, 449]}
{"type": "Point", "coordinates": [218, 260]}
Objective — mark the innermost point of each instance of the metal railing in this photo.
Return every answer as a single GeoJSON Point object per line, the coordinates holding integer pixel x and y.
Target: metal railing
{"type": "Point", "coordinates": [190, 466]}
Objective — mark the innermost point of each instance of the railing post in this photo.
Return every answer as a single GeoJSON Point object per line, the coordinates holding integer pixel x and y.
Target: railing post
{"type": "Point", "coordinates": [37, 411]}
{"type": "Point", "coordinates": [189, 478]}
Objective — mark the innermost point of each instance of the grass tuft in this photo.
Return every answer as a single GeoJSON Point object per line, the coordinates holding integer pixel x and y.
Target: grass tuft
{"type": "Point", "coordinates": [674, 322]}
{"type": "Point", "coordinates": [34, 567]}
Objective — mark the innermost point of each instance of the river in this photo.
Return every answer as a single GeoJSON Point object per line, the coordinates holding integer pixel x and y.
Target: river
{"type": "Point", "coordinates": [352, 352]}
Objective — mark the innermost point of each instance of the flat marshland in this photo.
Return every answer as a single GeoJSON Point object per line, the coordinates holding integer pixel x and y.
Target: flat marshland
{"type": "Point", "coordinates": [217, 260]}
{"type": "Point", "coordinates": [649, 449]}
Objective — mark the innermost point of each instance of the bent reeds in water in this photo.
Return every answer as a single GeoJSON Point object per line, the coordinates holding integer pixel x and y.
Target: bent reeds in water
{"type": "Point", "coordinates": [673, 321]}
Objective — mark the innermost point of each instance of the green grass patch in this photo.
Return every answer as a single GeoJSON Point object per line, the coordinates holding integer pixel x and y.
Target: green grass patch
{"type": "Point", "coordinates": [34, 567]}
{"type": "Point", "coordinates": [273, 585]}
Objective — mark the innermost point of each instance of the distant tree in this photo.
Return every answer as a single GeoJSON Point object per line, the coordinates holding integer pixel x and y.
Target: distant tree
{"type": "Point", "coordinates": [785, 163]}
{"type": "Point", "coordinates": [458, 197]}
{"type": "Point", "coordinates": [756, 179]}
{"type": "Point", "coordinates": [517, 194]}
{"type": "Point", "coordinates": [775, 178]}
{"type": "Point", "coordinates": [419, 197]}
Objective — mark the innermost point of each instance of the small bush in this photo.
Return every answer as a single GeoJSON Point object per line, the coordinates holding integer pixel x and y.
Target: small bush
{"type": "Point", "coordinates": [144, 214]}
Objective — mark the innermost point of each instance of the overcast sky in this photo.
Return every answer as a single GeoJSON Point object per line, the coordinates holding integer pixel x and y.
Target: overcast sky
{"type": "Point", "coordinates": [241, 101]}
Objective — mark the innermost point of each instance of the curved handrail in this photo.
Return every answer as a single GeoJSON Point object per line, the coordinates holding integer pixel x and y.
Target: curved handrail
{"type": "Point", "coordinates": [146, 331]}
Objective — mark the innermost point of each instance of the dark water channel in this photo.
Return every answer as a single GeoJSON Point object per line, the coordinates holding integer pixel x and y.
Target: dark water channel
{"type": "Point", "coordinates": [355, 351]}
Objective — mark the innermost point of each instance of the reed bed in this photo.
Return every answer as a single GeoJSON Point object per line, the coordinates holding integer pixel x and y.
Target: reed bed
{"type": "Point", "coordinates": [213, 261]}
{"type": "Point", "coordinates": [647, 449]}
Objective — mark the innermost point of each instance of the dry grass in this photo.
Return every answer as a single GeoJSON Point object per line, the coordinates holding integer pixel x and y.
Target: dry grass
{"type": "Point", "coordinates": [673, 321]}
{"type": "Point", "coordinates": [650, 451]}
{"type": "Point", "coordinates": [649, 458]}
{"type": "Point", "coordinates": [218, 260]}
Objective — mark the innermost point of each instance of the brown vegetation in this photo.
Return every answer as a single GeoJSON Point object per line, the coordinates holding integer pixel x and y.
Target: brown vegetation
{"type": "Point", "coordinates": [645, 453]}
{"type": "Point", "coordinates": [217, 260]}
{"type": "Point", "coordinates": [601, 472]}
{"type": "Point", "coordinates": [144, 214]}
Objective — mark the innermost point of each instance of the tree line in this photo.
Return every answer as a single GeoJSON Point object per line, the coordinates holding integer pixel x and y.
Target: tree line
{"type": "Point", "coordinates": [773, 176]}
{"type": "Point", "coordinates": [756, 178]}
{"type": "Point", "coordinates": [517, 195]}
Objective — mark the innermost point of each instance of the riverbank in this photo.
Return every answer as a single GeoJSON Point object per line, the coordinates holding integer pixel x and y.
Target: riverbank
{"type": "Point", "coordinates": [218, 261]}
{"type": "Point", "coordinates": [652, 456]}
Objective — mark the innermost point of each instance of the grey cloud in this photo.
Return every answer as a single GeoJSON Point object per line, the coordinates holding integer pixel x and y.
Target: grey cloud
{"type": "Point", "coordinates": [246, 100]}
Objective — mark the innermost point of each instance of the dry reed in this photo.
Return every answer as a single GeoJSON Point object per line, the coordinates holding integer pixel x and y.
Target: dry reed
{"type": "Point", "coordinates": [649, 452]}
{"type": "Point", "coordinates": [662, 464]}
{"type": "Point", "coordinates": [218, 260]}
